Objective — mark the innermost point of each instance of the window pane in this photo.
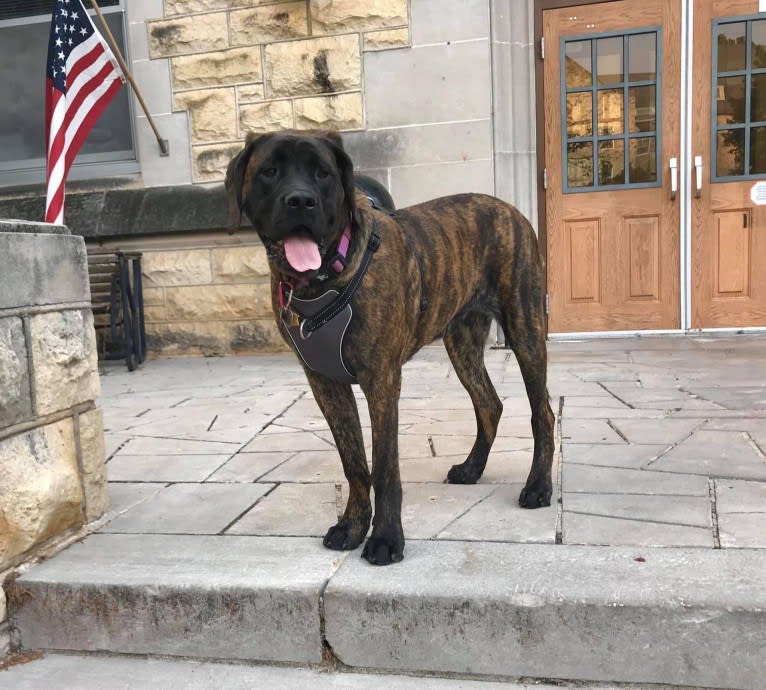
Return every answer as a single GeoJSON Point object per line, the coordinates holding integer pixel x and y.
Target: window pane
{"type": "Point", "coordinates": [730, 158]}
{"type": "Point", "coordinates": [611, 162]}
{"type": "Point", "coordinates": [643, 160]}
{"type": "Point", "coordinates": [642, 57]}
{"type": "Point", "coordinates": [610, 115]}
{"type": "Point", "coordinates": [580, 114]}
{"type": "Point", "coordinates": [757, 150]}
{"type": "Point", "coordinates": [731, 46]}
{"type": "Point", "coordinates": [758, 98]}
{"type": "Point", "coordinates": [580, 164]}
{"type": "Point", "coordinates": [730, 99]}
{"type": "Point", "coordinates": [23, 51]}
{"type": "Point", "coordinates": [642, 108]}
{"type": "Point", "coordinates": [578, 64]}
{"type": "Point", "coordinates": [13, 9]}
{"type": "Point", "coordinates": [609, 59]}
{"type": "Point", "coordinates": [759, 43]}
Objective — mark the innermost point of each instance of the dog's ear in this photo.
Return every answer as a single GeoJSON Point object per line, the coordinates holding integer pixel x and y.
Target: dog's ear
{"type": "Point", "coordinates": [346, 168]}
{"type": "Point", "coordinates": [235, 179]}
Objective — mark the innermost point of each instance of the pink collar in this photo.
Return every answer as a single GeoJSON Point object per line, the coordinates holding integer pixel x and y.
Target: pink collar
{"type": "Point", "coordinates": [339, 261]}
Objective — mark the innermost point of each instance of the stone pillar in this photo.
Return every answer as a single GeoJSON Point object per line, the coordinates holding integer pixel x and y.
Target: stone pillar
{"type": "Point", "coordinates": [52, 471]}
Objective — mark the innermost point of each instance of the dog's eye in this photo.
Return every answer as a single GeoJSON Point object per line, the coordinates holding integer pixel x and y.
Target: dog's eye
{"type": "Point", "coordinates": [269, 172]}
{"type": "Point", "coordinates": [322, 173]}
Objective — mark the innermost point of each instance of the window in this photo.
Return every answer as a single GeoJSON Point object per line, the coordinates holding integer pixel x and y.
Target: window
{"type": "Point", "coordinates": [24, 28]}
{"type": "Point", "coordinates": [739, 110]}
{"type": "Point", "coordinates": [610, 91]}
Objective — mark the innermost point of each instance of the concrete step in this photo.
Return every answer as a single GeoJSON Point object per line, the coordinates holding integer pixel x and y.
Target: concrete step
{"type": "Point", "coordinates": [87, 672]}
{"type": "Point", "coordinates": [635, 615]}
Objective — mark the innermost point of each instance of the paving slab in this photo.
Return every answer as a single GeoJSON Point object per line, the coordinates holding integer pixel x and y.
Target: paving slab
{"type": "Point", "coordinates": [189, 509]}
{"type": "Point", "coordinates": [689, 511]}
{"type": "Point", "coordinates": [611, 480]}
{"type": "Point", "coordinates": [601, 530]}
{"type": "Point", "coordinates": [556, 612]}
{"type": "Point", "coordinates": [742, 530]}
{"type": "Point", "coordinates": [163, 468]}
{"type": "Point", "coordinates": [737, 496]}
{"type": "Point", "coordinates": [123, 496]}
{"type": "Point", "coordinates": [244, 598]}
{"type": "Point", "coordinates": [609, 455]}
{"type": "Point", "coordinates": [249, 467]}
{"type": "Point", "coordinates": [76, 672]}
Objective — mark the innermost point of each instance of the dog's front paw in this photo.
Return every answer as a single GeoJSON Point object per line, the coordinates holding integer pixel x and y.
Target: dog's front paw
{"type": "Point", "coordinates": [381, 550]}
{"type": "Point", "coordinates": [536, 494]}
{"type": "Point", "coordinates": [465, 473]}
{"type": "Point", "coordinates": [344, 536]}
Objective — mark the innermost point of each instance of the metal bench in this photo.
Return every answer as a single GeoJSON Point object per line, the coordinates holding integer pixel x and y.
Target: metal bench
{"type": "Point", "coordinates": [118, 305]}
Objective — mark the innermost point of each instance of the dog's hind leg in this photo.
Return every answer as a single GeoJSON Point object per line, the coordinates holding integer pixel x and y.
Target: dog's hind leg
{"type": "Point", "coordinates": [465, 338]}
{"type": "Point", "coordinates": [525, 333]}
{"type": "Point", "coordinates": [336, 400]}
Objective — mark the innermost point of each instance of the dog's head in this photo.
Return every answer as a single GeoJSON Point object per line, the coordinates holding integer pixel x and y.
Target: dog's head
{"type": "Point", "coordinates": [297, 189]}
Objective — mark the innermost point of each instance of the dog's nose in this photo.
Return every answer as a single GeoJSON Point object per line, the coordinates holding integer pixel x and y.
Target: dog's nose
{"type": "Point", "coordinates": [301, 200]}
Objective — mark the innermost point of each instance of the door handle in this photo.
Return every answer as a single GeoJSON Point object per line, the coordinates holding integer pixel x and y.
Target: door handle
{"type": "Point", "coordinates": [673, 178]}
{"type": "Point", "coordinates": [698, 175]}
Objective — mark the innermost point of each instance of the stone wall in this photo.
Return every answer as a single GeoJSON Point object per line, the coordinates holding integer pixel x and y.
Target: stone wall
{"type": "Point", "coordinates": [52, 477]}
{"type": "Point", "coordinates": [255, 65]}
{"type": "Point", "coordinates": [205, 294]}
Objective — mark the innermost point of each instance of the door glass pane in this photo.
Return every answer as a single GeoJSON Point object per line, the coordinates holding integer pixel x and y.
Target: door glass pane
{"type": "Point", "coordinates": [730, 159]}
{"type": "Point", "coordinates": [730, 100]}
{"type": "Point", "coordinates": [578, 67]}
{"type": "Point", "coordinates": [610, 115]}
{"type": "Point", "coordinates": [609, 60]}
{"type": "Point", "coordinates": [757, 150]}
{"type": "Point", "coordinates": [642, 57]}
{"type": "Point", "coordinates": [580, 164]}
{"type": "Point", "coordinates": [611, 161]}
{"type": "Point", "coordinates": [731, 46]}
{"type": "Point", "coordinates": [758, 98]}
{"type": "Point", "coordinates": [759, 43]}
{"type": "Point", "coordinates": [643, 159]}
{"type": "Point", "coordinates": [580, 114]}
{"type": "Point", "coordinates": [642, 108]}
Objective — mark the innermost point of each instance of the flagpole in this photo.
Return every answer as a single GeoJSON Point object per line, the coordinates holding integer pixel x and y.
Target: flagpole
{"type": "Point", "coordinates": [163, 143]}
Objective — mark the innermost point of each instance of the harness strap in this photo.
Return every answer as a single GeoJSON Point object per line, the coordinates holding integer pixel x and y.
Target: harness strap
{"type": "Point", "coordinates": [319, 319]}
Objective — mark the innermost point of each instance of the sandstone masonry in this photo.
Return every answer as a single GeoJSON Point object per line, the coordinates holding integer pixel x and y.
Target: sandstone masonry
{"type": "Point", "coordinates": [53, 477]}
{"type": "Point", "coordinates": [239, 66]}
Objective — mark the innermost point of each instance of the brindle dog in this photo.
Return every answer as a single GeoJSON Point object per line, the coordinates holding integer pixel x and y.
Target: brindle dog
{"type": "Point", "coordinates": [444, 269]}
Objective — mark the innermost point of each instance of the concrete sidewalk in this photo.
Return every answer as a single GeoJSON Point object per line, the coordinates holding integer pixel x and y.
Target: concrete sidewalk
{"type": "Point", "coordinates": [648, 567]}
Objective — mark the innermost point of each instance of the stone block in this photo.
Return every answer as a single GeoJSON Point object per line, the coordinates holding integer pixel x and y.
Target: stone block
{"type": "Point", "coordinates": [199, 596]}
{"type": "Point", "coordinates": [184, 35]}
{"type": "Point", "coordinates": [240, 264]}
{"type": "Point", "coordinates": [157, 313]}
{"type": "Point", "coordinates": [413, 184]}
{"type": "Point", "coordinates": [3, 610]}
{"type": "Point", "coordinates": [40, 491]}
{"type": "Point", "coordinates": [218, 302]}
{"type": "Point", "coordinates": [178, 267]}
{"type": "Point", "coordinates": [248, 93]}
{"type": "Point", "coordinates": [153, 297]}
{"type": "Point", "coordinates": [42, 268]}
{"type": "Point", "coordinates": [267, 24]}
{"type": "Point", "coordinates": [214, 337]}
{"type": "Point", "coordinates": [439, 21]}
{"type": "Point", "coordinates": [387, 39]}
{"type": "Point", "coordinates": [344, 111]}
{"type": "Point", "coordinates": [93, 463]}
{"type": "Point", "coordinates": [212, 113]}
{"type": "Point", "coordinates": [441, 81]}
{"type": "Point", "coordinates": [64, 359]}
{"type": "Point", "coordinates": [216, 69]}
{"type": "Point", "coordinates": [209, 162]}
{"type": "Point", "coordinates": [161, 171]}
{"type": "Point", "coordinates": [336, 16]}
{"type": "Point", "coordinates": [193, 6]}
{"type": "Point", "coordinates": [266, 117]}
{"type": "Point", "coordinates": [316, 65]}
{"type": "Point", "coordinates": [15, 394]}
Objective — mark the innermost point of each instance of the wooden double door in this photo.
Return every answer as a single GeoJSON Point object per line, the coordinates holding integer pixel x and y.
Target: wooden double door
{"type": "Point", "coordinates": [643, 233]}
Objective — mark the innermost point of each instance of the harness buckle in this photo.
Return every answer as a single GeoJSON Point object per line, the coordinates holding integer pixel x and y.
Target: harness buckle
{"type": "Point", "coordinates": [304, 336]}
{"type": "Point", "coordinates": [284, 305]}
{"type": "Point", "coordinates": [374, 242]}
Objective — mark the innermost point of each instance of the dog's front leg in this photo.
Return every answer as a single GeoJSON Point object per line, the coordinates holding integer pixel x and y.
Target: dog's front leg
{"type": "Point", "coordinates": [336, 400]}
{"type": "Point", "coordinates": [386, 543]}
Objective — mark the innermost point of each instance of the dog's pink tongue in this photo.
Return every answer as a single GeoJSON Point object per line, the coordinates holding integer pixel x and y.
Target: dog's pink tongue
{"type": "Point", "coordinates": [302, 252]}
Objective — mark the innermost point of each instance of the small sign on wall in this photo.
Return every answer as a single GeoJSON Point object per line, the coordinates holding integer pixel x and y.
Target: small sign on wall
{"type": "Point", "coordinates": [758, 193]}
{"type": "Point", "coordinates": [762, 5]}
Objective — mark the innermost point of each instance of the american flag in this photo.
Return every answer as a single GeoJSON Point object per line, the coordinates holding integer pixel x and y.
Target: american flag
{"type": "Point", "coordinates": [82, 76]}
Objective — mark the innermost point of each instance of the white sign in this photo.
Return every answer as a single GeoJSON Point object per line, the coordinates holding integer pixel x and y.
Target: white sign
{"type": "Point", "coordinates": [762, 5]}
{"type": "Point", "coordinates": [758, 193]}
